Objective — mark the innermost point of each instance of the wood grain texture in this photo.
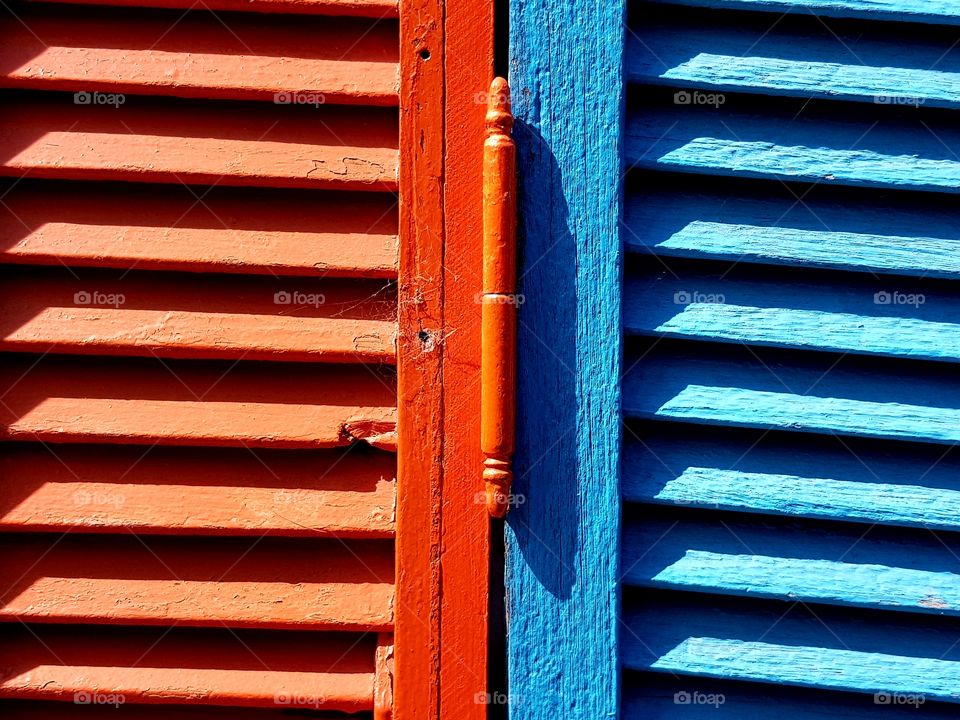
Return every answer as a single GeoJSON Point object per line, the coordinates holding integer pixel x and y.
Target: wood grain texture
{"type": "Point", "coordinates": [49, 710]}
{"type": "Point", "coordinates": [223, 230]}
{"type": "Point", "coordinates": [149, 140]}
{"type": "Point", "coordinates": [855, 147]}
{"type": "Point", "coordinates": [466, 604]}
{"type": "Point", "coordinates": [233, 582]}
{"type": "Point", "coordinates": [145, 314]}
{"type": "Point", "coordinates": [848, 229]}
{"type": "Point", "coordinates": [562, 542]}
{"type": "Point", "coordinates": [857, 396]}
{"type": "Point", "coordinates": [333, 671]}
{"type": "Point", "coordinates": [180, 491]}
{"type": "Point", "coordinates": [795, 57]}
{"type": "Point", "coordinates": [924, 11]}
{"type": "Point", "coordinates": [895, 569]}
{"type": "Point", "coordinates": [358, 8]}
{"type": "Point", "coordinates": [819, 311]}
{"type": "Point", "coordinates": [133, 401]}
{"type": "Point", "coordinates": [904, 652]}
{"type": "Point", "coordinates": [420, 359]}
{"type": "Point", "coordinates": [280, 60]}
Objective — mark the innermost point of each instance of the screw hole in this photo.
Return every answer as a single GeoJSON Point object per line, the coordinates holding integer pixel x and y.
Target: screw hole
{"type": "Point", "coordinates": [423, 335]}
{"type": "Point", "coordinates": [424, 54]}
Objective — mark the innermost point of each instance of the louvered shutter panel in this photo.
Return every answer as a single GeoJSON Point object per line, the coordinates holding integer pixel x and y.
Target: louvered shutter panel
{"type": "Point", "coordinates": [787, 481]}
{"type": "Point", "coordinates": [199, 253]}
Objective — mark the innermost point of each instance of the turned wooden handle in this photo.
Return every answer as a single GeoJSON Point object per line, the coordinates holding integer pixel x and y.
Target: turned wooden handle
{"type": "Point", "coordinates": [498, 367]}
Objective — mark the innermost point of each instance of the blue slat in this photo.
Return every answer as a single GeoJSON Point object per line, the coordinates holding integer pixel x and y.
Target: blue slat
{"type": "Point", "coordinates": [793, 475]}
{"type": "Point", "coordinates": [737, 54]}
{"type": "Point", "coordinates": [849, 396]}
{"type": "Point", "coordinates": [563, 541]}
{"type": "Point", "coordinates": [853, 231]}
{"type": "Point", "coordinates": [793, 645]}
{"type": "Point", "coordinates": [839, 147]}
{"type": "Point", "coordinates": [945, 12]}
{"type": "Point", "coordinates": [887, 568]}
{"type": "Point", "coordinates": [817, 311]}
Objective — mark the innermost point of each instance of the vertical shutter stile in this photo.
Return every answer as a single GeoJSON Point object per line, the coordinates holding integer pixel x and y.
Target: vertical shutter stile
{"type": "Point", "coordinates": [790, 313]}
{"type": "Point", "coordinates": [199, 254]}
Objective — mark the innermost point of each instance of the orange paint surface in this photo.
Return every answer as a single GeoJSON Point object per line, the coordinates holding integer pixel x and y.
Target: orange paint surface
{"type": "Point", "coordinates": [219, 317]}
{"type": "Point", "coordinates": [153, 140]}
{"type": "Point", "coordinates": [365, 8]}
{"type": "Point", "coordinates": [64, 399]}
{"type": "Point", "coordinates": [273, 583]}
{"type": "Point", "coordinates": [420, 363]}
{"type": "Point", "coordinates": [197, 491]}
{"type": "Point", "coordinates": [466, 527]}
{"type": "Point", "coordinates": [224, 230]}
{"type": "Point", "coordinates": [329, 671]}
{"type": "Point", "coordinates": [198, 55]}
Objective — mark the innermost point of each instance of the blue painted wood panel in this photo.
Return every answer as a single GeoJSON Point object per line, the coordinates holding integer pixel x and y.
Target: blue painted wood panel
{"type": "Point", "coordinates": [562, 541]}
{"type": "Point", "coordinates": [925, 11]}
{"type": "Point", "coordinates": [828, 143]}
{"type": "Point", "coordinates": [801, 57]}
{"type": "Point", "coordinates": [842, 228]}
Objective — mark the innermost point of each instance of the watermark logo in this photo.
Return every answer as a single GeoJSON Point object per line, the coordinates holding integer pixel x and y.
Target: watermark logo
{"type": "Point", "coordinates": [299, 700]}
{"type": "Point", "coordinates": [484, 98]}
{"type": "Point", "coordinates": [85, 697]}
{"type": "Point", "coordinates": [85, 498]}
{"type": "Point", "coordinates": [684, 697]}
{"type": "Point", "coordinates": [496, 698]}
{"type": "Point", "coordinates": [95, 298]}
{"type": "Point", "coordinates": [299, 98]}
{"type": "Point", "coordinates": [499, 299]}
{"type": "Point", "coordinates": [689, 297]}
{"type": "Point", "coordinates": [685, 97]}
{"type": "Point", "coordinates": [513, 500]}
{"type": "Point", "coordinates": [911, 100]}
{"type": "Point", "coordinates": [899, 298]}
{"type": "Point", "coordinates": [98, 98]}
{"type": "Point", "coordinates": [899, 698]}
{"type": "Point", "coordinates": [295, 297]}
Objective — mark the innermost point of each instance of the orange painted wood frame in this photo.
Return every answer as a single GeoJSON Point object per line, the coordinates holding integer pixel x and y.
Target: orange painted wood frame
{"type": "Point", "coordinates": [443, 531]}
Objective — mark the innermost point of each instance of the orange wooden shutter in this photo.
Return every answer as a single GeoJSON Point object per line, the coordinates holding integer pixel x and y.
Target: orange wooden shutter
{"type": "Point", "coordinates": [205, 209]}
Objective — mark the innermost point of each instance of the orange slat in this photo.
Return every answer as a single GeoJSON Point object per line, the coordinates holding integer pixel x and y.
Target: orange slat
{"type": "Point", "coordinates": [327, 671]}
{"type": "Point", "coordinates": [237, 582]}
{"type": "Point", "coordinates": [77, 399]}
{"type": "Point", "coordinates": [169, 227]}
{"type": "Point", "coordinates": [358, 8]}
{"type": "Point", "coordinates": [180, 491]}
{"type": "Point", "coordinates": [179, 141]}
{"type": "Point", "coordinates": [33, 710]}
{"type": "Point", "coordinates": [169, 315]}
{"type": "Point", "coordinates": [315, 60]}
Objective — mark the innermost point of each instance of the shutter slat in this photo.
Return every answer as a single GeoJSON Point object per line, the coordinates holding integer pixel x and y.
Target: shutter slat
{"type": "Point", "coordinates": [180, 491]}
{"type": "Point", "coordinates": [827, 312]}
{"type": "Point", "coordinates": [48, 710]}
{"type": "Point", "coordinates": [234, 582]}
{"type": "Point", "coordinates": [182, 317]}
{"type": "Point", "coordinates": [803, 58]}
{"type": "Point", "coordinates": [189, 666]}
{"type": "Point", "coordinates": [761, 224]}
{"type": "Point", "coordinates": [823, 146]}
{"type": "Point", "coordinates": [198, 55]}
{"type": "Point", "coordinates": [943, 12]}
{"type": "Point", "coordinates": [896, 569]}
{"type": "Point", "coordinates": [62, 399]}
{"type": "Point", "coordinates": [358, 8]}
{"type": "Point", "coordinates": [743, 388]}
{"type": "Point", "coordinates": [223, 230]}
{"type": "Point", "coordinates": [188, 142]}
{"type": "Point", "coordinates": [772, 642]}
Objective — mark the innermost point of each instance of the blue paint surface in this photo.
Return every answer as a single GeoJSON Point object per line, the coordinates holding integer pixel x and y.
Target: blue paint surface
{"type": "Point", "coordinates": [562, 542]}
{"type": "Point", "coordinates": [927, 11]}
{"type": "Point", "coordinates": [798, 58]}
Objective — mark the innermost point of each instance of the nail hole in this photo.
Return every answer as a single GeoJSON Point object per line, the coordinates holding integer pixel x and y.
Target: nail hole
{"type": "Point", "coordinates": [423, 335]}
{"type": "Point", "coordinates": [424, 54]}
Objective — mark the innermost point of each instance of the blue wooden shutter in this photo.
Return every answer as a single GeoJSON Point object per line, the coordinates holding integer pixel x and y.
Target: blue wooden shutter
{"type": "Point", "coordinates": [788, 481]}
